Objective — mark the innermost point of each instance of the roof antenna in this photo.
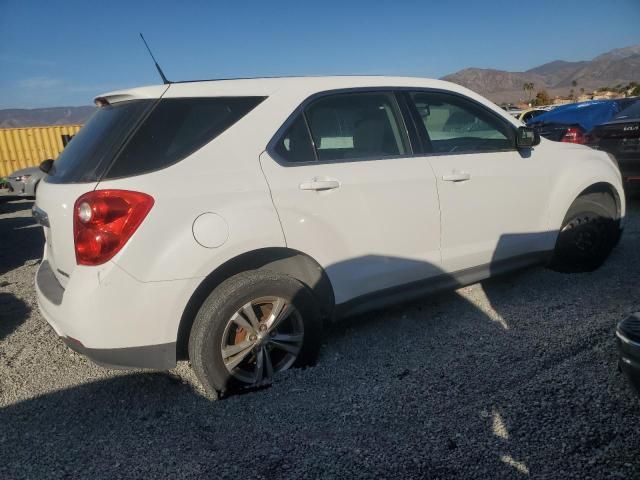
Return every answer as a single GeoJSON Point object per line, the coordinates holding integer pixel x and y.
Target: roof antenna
{"type": "Point", "coordinates": [164, 79]}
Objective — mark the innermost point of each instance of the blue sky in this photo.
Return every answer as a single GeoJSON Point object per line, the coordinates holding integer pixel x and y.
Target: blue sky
{"type": "Point", "coordinates": [65, 52]}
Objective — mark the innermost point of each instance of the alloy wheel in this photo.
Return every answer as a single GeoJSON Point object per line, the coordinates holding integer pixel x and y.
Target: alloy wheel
{"type": "Point", "coordinates": [262, 338]}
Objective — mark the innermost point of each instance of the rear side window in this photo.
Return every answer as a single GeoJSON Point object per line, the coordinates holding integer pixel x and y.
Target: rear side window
{"type": "Point", "coordinates": [176, 128]}
{"type": "Point", "coordinates": [356, 126]}
{"type": "Point", "coordinates": [457, 125]}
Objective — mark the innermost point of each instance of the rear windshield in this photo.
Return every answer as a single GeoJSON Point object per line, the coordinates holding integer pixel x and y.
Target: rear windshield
{"type": "Point", "coordinates": [141, 136]}
{"type": "Point", "coordinates": [89, 152]}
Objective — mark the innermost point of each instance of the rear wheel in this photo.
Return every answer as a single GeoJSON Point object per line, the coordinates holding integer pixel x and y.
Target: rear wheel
{"type": "Point", "coordinates": [254, 326]}
{"type": "Point", "coordinates": [588, 234]}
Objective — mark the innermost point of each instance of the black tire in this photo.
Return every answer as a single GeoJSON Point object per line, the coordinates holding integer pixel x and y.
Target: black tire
{"type": "Point", "coordinates": [215, 314]}
{"type": "Point", "coordinates": [588, 234]}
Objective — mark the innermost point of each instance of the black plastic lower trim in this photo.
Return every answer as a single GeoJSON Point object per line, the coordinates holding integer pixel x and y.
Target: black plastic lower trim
{"type": "Point", "coordinates": [439, 283]}
{"type": "Point", "coordinates": [156, 357]}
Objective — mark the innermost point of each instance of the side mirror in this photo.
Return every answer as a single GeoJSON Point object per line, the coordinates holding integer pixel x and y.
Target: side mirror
{"type": "Point", "coordinates": [527, 137]}
{"type": "Point", "coordinates": [46, 165]}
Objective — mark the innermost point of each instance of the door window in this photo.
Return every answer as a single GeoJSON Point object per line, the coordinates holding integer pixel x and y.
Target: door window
{"type": "Point", "coordinates": [457, 125]}
{"type": "Point", "coordinates": [356, 126]}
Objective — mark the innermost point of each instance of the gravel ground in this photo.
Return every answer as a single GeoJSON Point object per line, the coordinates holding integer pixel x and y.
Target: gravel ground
{"type": "Point", "coordinates": [510, 378]}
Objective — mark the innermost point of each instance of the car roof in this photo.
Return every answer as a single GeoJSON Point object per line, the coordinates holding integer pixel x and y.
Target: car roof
{"type": "Point", "coordinates": [267, 86]}
{"type": "Point", "coordinates": [294, 89]}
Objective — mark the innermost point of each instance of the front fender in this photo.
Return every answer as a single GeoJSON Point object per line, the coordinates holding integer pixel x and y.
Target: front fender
{"type": "Point", "coordinates": [583, 169]}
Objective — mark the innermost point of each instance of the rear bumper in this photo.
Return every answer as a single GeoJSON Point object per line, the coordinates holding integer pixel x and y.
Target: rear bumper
{"type": "Point", "coordinates": [630, 170]}
{"type": "Point", "coordinates": [157, 357]}
{"type": "Point", "coordinates": [112, 318]}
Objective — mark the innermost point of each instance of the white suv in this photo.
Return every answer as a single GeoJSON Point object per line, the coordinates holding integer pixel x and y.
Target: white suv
{"type": "Point", "coordinates": [225, 221]}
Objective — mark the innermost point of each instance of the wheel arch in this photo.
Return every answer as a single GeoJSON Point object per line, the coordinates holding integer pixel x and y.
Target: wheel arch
{"type": "Point", "coordinates": [276, 259]}
{"type": "Point", "coordinates": [605, 187]}
{"type": "Point", "coordinates": [567, 197]}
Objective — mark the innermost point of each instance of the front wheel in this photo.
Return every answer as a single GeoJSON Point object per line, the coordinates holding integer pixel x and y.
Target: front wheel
{"type": "Point", "coordinates": [588, 234]}
{"type": "Point", "coordinates": [252, 327]}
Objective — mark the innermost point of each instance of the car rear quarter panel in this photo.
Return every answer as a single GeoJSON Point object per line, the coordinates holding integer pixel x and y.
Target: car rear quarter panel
{"type": "Point", "coordinates": [223, 177]}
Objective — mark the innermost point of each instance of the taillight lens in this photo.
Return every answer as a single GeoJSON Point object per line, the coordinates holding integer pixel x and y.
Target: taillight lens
{"type": "Point", "coordinates": [103, 222]}
{"type": "Point", "coordinates": [574, 135]}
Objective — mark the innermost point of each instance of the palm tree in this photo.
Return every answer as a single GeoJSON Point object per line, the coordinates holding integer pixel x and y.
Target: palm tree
{"type": "Point", "coordinates": [574, 84]}
{"type": "Point", "coordinates": [528, 87]}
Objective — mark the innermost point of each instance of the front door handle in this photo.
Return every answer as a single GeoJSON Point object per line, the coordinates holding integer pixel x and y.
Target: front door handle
{"type": "Point", "coordinates": [320, 185]}
{"type": "Point", "coordinates": [456, 177]}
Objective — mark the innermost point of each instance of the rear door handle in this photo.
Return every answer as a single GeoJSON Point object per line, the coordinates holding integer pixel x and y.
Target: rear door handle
{"type": "Point", "coordinates": [320, 185]}
{"type": "Point", "coordinates": [456, 177]}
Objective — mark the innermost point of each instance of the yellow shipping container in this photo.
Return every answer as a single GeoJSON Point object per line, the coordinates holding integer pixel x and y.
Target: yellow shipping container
{"type": "Point", "coordinates": [27, 147]}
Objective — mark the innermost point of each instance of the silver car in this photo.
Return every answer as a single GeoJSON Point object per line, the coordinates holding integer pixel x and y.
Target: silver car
{"type": "Point", "coordinates": [24, 182]}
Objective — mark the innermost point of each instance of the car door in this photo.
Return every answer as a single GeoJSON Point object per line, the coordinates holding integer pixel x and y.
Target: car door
{"type": "Point", "coordinates": [493, 197]}
{"type": "Point", "coordinates": [350, 194]}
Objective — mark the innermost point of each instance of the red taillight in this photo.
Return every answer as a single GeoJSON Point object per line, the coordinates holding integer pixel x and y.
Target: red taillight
{"type": "Point", "coordinates": [103, 222]}
{"type": "Point", "coordinates": [574, 135]}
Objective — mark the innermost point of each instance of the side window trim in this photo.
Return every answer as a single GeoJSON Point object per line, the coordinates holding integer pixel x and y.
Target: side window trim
{"type": "Point", "coordinates": [423, 131]}
{"type": "Point", "coordinates": [422, 141]}
{"type": "Point", "coordinates": [301, 110]}
{"type": "Point", "coordinates": [410, 127]}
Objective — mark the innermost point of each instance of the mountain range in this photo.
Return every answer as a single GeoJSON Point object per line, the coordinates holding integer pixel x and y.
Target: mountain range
{"type": "Point", "coordinates": [17, 117]}
{"type": "Point", "coordinates": [619, 66]}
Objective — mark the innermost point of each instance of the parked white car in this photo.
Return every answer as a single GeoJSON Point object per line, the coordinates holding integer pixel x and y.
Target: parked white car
{"type": "Point", "coordinates": [225, 221]}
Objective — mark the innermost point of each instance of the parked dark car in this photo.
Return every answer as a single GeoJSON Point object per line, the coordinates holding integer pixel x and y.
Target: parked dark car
{"type": "Point", "coordinates": [574, 122]}
{"type": "Point", "coordinates": [628, 338]}
{"type": "Point", "coordinates": [621, 138]}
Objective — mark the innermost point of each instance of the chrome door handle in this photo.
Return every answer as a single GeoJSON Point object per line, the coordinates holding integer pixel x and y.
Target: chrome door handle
{"type": "Point", "coordinates": [320, 185]}
{"type": "Point", "coordinates": [456, 177]}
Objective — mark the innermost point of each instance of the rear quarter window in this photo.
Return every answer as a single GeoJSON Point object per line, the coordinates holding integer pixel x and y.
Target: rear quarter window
{"type": "Point", "coordinates": [176, 128]}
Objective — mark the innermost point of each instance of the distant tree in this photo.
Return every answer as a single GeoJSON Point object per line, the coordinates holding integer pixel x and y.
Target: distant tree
{"type": "Point", "coordinates": [542, 98]}
{"type": "Point", "coordinates": [528, 88]}
{"type": "Point", "coordinates": [636, 90]}
{"type": "Point", "coordinates": [572, 92]}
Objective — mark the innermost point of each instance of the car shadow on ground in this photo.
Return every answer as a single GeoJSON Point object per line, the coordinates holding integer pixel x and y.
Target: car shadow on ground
{"type": "Point", "coordinates": [437, 388]}
{"type": "Point", "coordinates": [487, 391]}
{"type": "Point", "coordinates": [11, 204]}
{"type": "Point", "coordinates": [13, 311]}
{"type": "Point", "coordinates": [22, 239]}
